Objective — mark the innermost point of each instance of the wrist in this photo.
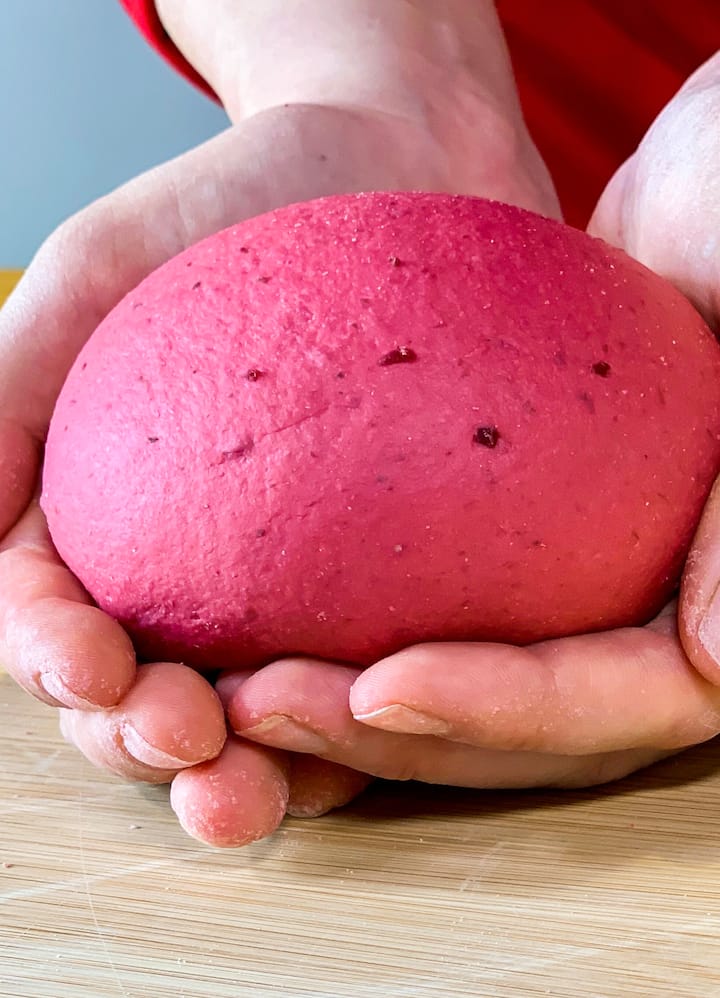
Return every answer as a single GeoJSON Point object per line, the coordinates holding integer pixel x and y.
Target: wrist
{"type": "Point", "coordinates": [426, 83]}
{"type": "Point", "coordinates": [418, 59]}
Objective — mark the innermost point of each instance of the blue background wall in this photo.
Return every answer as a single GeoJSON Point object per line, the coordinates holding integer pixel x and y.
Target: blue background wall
{"type": "Point", "coordinates": [85, 104]}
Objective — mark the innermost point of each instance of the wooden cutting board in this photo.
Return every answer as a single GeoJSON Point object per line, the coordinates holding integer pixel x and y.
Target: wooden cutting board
{"type": "Point", "coordinates": [409, 893]}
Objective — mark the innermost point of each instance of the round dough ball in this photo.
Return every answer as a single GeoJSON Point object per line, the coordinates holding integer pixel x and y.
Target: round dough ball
{"type": "Point", "coordinates": [367, 421]}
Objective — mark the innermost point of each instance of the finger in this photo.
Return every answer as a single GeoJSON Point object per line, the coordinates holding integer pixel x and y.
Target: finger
{"type": "Point", "coordinates": [170, 720]}
{"type": "Point", "coordinates": [237, 798]}
{"type": "Point", "coordinates": [229, 681]}
{"type": "Point", "coordinates": [625, 689]}
{"type": "Point", "coordinates": [19, 462]}
{"type": "Point", "coordinates": [663, 205]}
{"type": "Point", "coordinates": [103, 746]}
{"type": "Point", "coordinates": [53, 642]}
{"type": "Point", "coordinates": [302, 705]}
{"type": "Point", "coordinates": [318, 786]}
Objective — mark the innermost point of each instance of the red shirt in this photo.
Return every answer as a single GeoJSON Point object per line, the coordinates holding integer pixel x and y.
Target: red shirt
{"type": "Point", "coordinates": [592, 75]}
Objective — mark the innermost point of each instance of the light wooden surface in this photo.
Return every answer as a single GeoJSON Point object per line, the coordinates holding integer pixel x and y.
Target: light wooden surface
{"type": "Point", "coordinates": [408, 893]}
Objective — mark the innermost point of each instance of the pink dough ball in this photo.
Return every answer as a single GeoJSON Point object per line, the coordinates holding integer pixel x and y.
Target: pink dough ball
{"type": "Point", "coordinates": [373, 420]}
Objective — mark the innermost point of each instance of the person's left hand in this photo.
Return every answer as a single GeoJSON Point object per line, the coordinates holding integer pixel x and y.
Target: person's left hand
{"type": "Point", "coordinates": [581, 710]}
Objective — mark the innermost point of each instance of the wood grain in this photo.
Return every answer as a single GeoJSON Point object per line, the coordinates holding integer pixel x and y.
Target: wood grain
{"type": "Point", "coordinates": [409, 893]}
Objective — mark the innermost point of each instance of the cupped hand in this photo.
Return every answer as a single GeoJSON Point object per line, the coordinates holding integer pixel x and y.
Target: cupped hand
{"type": "Point", "coordinates": [162, 722]}
{"type": "Point", "coordinates": [581, 710]}
{"type": "Point", "coordinates": [663, 207]}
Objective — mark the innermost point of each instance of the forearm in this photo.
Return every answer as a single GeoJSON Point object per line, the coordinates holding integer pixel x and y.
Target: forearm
{"type": "Point", "coordinates": [428, 61]}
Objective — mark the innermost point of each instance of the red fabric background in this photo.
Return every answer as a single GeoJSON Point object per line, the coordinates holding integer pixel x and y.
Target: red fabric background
{"type": "Point", "coordinates": [592, 76]}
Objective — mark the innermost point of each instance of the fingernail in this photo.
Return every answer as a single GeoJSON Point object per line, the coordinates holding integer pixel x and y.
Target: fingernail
{"type": "Point", "coordinates": [56, 688]}
{"type": "Point", "coordinates": [709, 630]}
{"type": "Point", "coordinates": [146, 753]}
{"type": "Point", "coordinates": [397, 717]}
{"type": "Point", "coordinates": [286, 733]}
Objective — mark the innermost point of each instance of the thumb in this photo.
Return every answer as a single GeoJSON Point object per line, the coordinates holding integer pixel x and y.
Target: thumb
{"type": "Point", "coordinates": [663, 208]}
{"type": "Point", "coordinates": [700, 594]}
{"type": "Point", "coordinates": [663, 205]}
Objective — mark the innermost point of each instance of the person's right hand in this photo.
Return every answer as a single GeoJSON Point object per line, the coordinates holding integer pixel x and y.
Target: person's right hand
{"type": "Point", "coordinates": [579, 710]}
{"type": "Point", "coordinates": [163, 721]}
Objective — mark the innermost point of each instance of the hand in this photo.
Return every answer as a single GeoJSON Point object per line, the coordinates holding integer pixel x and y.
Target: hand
{"type": "Point", "coordinates": [663, 207]}
{"type": "Point", "coordinates": [392, 124]}
{"type": "Point", "coordinates": [581, 710]}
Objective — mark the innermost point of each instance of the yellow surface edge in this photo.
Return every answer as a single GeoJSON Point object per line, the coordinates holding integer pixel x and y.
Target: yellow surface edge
{"type": "Point", "coordinates": [8, 280]}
